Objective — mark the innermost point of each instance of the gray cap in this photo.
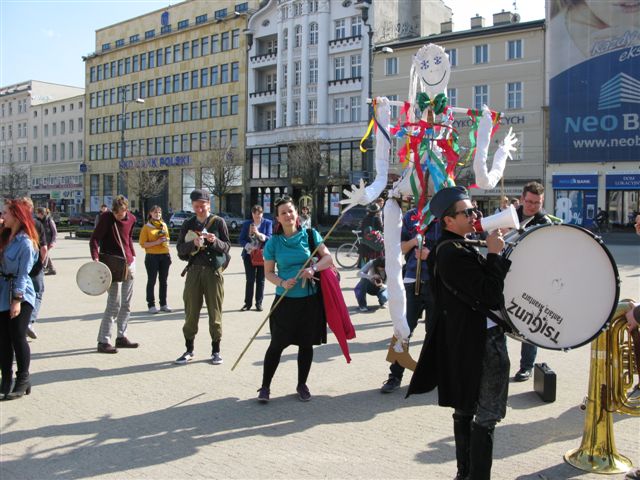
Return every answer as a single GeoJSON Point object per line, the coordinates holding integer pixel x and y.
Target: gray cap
{"type": "Point", "coordinates": [199, 194]}
{"type": "Point", "coordinates": [446, 197]}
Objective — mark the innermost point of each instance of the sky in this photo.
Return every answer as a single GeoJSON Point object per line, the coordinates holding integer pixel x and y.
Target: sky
{"type": "Point", "coordinates": [46, 39]}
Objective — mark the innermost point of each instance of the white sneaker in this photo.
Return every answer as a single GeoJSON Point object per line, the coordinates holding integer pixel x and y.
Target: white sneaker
{"type": "Point", "coordinates": [363, 309]}
{"type": "Point", "coordinates": [153, 309]}
{"type": "Point", "coordinates": [185, 358]}
{"type": "Point", "coordinates": [166, 308]}
{"type": "Point", "coordinates": [216, 359]}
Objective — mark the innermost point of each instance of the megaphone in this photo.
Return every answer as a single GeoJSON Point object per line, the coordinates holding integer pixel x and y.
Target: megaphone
{"type": "Point", "coordinates": [507, 218]}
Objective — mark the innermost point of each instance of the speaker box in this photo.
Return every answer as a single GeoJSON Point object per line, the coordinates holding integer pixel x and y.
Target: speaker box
{"type": "Point", "coordinates": [544, 382]}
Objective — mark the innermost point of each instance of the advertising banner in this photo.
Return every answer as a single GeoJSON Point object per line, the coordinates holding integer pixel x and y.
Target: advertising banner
{"type": "Point", "coordinates": [594, 81]}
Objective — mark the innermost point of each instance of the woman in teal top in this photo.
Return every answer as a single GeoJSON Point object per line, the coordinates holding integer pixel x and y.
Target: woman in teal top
{"type": "Point", "coordinates": [298, 319]}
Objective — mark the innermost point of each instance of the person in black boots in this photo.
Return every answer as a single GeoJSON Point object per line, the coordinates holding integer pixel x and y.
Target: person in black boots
{"type": "Point", "coordinates": [204, 243]}
{"type": "Point", "coordinates": [465, 353]}
{"type": "Point", "coordinates": [18, 254]}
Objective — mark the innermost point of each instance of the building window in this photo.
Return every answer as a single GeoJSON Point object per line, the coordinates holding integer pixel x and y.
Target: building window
{"type": "Point", "coordinates": [234, 104]}
{"type": "Point", "coordinates": [338, 68]}
{"type": "Point", "coordinates": [297, 39]}
{"type": "Point", "coordinates": [201, 19]}
{"type": "Point", "coordinates": [514, 49]}
{"type": "Point", "coordinates": [355, 109]}
{"type": "Point", "coordinates": [235, 71]}
{"type": "Point", "coordinates": [224, 106]}
{"type": "Point", "coordinates": [514, 95]}
{"type": "Point", "coordinates": [186, 51]}
{"type": "Point", "coordinates": [453, 56]}
{"type": "Point", "coordinates": [134, 38]}
{"type": "Point", "coordinates": [313, 33]}
{"type": "Point", "coordinates": [313, 70]}
{"type": "Point", "coordinates": [296, 73]}
{"type": "Point", "coordinates": [235, 38]}
{"type": "Point", "coordinates": [313, 6]}
{"type": "Point", "coordinates": [480, 96]}
{"type": "Point", "coordinates": [338, 110]}
{"type": "Point", "coordinates": [105, 47]}
{"type": "Point", "coordinates": [481, 53]}
{"type": "Point", "coordinates": [215, 43]}
{"type": "Point", "coordinates": [452, 97]}
{"type": "Point", "coordinates": [242, 7]}
{"type": "Point", "coordinates": [356, 26]}
{"type": "Point", "coordinates": [296, 113]}
{"type": "Point", "coordinates": [340, 30]}
{"type": "Point", "coordinates": [224, 41]}
{"type": "Point", "coordinates": [224, 73]}
{"type": "Point", "coordinates": [313, 111]}
{"type": "Point", "coordinates": [285, 39]}
{"type": "Point", "coordinates": [35, 154]}
{"type": "Point", "coordinates": [149, 34]}
{"type": "Point", "coordinates": [356, 66]}
{"type": "Point", "coordinates": [220, 14]}
{"type": "Point", "coordinates": [391, 66]}
{"type": "Point", "coordinates": [213, 107]}
{"type": "Point", "coordinates": [165, 29]}
{"type": "Point", "coordinates": [120, 43]}
{"type": "Point", "coordinates": [183, 24]}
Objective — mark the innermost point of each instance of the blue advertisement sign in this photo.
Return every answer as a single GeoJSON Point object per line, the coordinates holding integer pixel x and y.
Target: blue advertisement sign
{"type": "Point", "coordinates": [575, 182]}
{"type": "Point", "coordinates": [577, 207]}
{"type": "Point", "coordinates": [594, 81]}
{"type": "Point", "coordinates": [623, 181]}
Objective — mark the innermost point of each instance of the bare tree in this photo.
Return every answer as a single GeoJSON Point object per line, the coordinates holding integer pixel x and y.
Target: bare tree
{"type": "Point", "coordinates": [145, 184]}
{"type": "Point", "coordinates": [14, 181]}
{"type": "Point", "coordinates": [308, 168]}
{"type": "Point", "coordinates": [221, 174]}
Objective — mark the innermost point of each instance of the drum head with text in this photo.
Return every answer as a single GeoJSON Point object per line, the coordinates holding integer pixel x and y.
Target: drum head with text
{"type": "Point", "coordinates": [562, 287]}
{"type": "Point", "coordinates": [94, 278]}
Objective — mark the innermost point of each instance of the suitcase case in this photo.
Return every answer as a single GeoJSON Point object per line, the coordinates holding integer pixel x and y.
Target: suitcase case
{"type": "Point", "coordinates": [544, 382]}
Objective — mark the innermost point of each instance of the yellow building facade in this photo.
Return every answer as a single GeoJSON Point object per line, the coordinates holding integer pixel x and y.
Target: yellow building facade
{"type": "Point", "coordinates": [178, 78]}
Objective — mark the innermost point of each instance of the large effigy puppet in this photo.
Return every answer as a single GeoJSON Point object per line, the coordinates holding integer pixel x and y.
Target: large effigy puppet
{"type": "Point", "coordinates": [429, 156]}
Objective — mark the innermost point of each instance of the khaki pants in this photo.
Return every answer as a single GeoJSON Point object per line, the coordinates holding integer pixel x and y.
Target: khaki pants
{"type": "Point", "coordinates": [208, 284]}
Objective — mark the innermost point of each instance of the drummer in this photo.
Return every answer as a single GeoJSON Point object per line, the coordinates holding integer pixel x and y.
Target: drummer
{"type": "Point", "coordinates": [465, 353]}
{"type": "Point", "coordinates": [530, 211]}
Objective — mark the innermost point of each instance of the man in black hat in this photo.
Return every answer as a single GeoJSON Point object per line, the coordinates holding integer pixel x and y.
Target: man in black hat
{"type": "Point", "coordinates": [206, 251]}
{"type": "Point", "coordinates": [465, 354]}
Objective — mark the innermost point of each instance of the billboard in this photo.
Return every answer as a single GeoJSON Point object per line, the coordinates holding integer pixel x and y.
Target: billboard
{"type": "Point", "coordinates": [593, 54]}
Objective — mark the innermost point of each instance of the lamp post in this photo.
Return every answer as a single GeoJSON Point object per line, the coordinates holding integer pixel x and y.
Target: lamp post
{"type": "Point", "coordinates": [125, 104]}
{"type": "Point", "coordinates": [368, 159]}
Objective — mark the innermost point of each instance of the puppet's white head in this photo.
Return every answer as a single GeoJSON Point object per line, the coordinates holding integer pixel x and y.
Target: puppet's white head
{"type": "Point", "coordinates": [432, 64]}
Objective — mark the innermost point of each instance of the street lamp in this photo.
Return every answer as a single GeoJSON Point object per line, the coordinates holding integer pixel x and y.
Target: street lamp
{"type": "Point", "coordinates": [364, 12]}
{"type": "Point", "coordinates": [125, 104]}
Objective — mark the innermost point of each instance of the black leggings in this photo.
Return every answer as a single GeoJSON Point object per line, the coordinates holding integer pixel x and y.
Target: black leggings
{"type": "Point", "coordinates": [13, 339]}
{"type": "Point", "coordinates": [272, 360]}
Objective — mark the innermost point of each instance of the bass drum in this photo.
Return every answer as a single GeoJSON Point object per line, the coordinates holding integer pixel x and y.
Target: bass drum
{"type": "Point", "coordinates": [562, 287]}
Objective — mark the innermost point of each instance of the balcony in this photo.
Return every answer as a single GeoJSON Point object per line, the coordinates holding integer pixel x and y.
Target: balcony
{"type": "Point", "coordinates": [262, 97]}
{"type": "Point", "coordinates": [263, 60]}
{"type": "Point", "coordinates": [345, 44]}
{"type": "Point", "coordinates": [344, 85]}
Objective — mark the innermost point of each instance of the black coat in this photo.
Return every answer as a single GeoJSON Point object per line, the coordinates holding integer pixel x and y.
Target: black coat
{"type": "Point", "coordinates": [451, 357]}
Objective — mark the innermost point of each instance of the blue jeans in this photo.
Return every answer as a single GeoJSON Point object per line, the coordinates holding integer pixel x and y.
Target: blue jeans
{"type": "Point", "coordinates": [254, 276]}
{"type": "Point", "coordinates": [528, 354]}
{"type": "Point", "coordinates": [38, 286]}
{"type": "Point", "coordinates": [365, 287]}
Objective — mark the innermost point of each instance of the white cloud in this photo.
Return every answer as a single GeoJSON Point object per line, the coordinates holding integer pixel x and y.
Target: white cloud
{"type": "Point", "coordinates": [49, 33]}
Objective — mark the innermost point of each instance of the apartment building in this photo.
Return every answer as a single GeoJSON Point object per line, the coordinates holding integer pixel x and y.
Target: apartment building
{"type": "Point", "coordinates": [38, 118]}
{"type": "Point", "coordinates": [308, 85]}
{"type": "Point", "coordinates": [166, 99]}
{"type": "Point", "coordinates": [502, 66]}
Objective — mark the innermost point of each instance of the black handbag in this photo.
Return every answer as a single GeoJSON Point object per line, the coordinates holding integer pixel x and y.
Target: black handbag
{"type": "Point", "coordinates": [117, 265]}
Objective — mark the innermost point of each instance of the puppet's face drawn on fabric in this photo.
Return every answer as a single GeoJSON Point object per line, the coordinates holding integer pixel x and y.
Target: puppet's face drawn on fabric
{"type": "Point", "coordinates": [432, 64]}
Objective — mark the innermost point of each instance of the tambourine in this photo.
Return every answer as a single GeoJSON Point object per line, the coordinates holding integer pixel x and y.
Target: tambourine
{"type": "Point", "coordinates": [93, 278]}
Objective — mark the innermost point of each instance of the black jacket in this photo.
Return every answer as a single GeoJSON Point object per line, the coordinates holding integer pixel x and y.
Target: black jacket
{"type": "Point", "coordinates": [451, 358]}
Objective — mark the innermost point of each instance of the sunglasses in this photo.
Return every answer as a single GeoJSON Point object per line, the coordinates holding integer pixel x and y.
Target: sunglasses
{"type": "Point", "coordinates": [467, 212]}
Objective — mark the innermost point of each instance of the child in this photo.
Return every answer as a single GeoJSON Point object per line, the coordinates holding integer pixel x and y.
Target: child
{"type": "Point", "coordinates": [372, 282]}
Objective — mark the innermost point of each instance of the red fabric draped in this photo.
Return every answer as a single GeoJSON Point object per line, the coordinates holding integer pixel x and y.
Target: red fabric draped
{"type": "Point", "coordinates": [336, 311]}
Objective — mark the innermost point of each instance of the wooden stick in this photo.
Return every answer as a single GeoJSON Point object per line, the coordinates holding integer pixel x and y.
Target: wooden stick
{"type": "Point", "coordinates": [275, 305]}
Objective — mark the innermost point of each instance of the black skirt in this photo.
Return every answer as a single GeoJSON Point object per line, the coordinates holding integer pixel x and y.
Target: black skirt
{"type": "Point", "coordinates": [298, 321]}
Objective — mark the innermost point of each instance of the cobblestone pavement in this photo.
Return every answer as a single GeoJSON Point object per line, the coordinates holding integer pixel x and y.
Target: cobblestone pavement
{"type": "Point", "coordinates": [137, 415]}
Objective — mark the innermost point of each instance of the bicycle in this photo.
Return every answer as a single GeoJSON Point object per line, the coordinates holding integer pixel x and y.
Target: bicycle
{"type": "Point", "coordinates": [347, 254]}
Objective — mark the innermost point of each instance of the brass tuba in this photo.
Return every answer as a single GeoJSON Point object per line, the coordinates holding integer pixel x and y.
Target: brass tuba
{"type": "Point", "coordinates": [615, 367]}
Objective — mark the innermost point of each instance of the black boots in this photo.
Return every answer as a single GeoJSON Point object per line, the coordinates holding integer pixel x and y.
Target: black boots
{"type": "Point", "coordinates": [5, 386]}
{"type": "Point", "coordinates": [22, 387]}
{"type": "Point", "coordinates": [481, 453]}
{"type": "Point", "coordinates": [462, 435]}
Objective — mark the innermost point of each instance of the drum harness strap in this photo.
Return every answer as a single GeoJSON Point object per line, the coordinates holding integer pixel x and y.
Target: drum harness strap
{"type": "Point", "coordinates": [470, 301]}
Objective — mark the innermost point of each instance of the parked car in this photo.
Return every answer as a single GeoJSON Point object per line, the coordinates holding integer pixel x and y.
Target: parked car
{"type": "Point", "coordinates": [353, 218]}
{"type": "Point", "coordinates": [233, 221]}
{"type": "Point", "coordinates": [82, 218]}
{"type": "Point", "coordinates": [179, 217]}
{"type": "Point", "coordinates": [61, 218]}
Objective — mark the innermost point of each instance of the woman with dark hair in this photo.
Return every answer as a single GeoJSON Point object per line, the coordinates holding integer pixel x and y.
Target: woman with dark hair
{"type": "Point", "coordinates": [154, 238]}
{"type": "Point", "coordinates": [253, 236]}
{"type": "Point", "coordinates": [18, 253]}
{"type": "Point", "coordinates": [297, 319]}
